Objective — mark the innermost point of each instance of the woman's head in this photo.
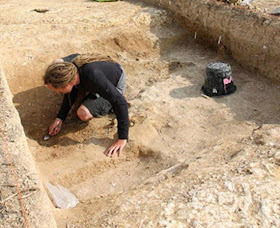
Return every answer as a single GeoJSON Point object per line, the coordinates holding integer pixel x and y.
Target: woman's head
{"type": "Point", "coordinates": [60, 74]}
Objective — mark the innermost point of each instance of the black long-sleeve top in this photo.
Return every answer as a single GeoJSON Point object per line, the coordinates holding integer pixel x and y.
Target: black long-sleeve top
{"type": "Point", "coordinates": [101, 77]}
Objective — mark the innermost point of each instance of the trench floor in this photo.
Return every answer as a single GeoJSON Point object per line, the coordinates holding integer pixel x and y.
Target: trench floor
{"type": "Point", "coordinates": [165, 67]}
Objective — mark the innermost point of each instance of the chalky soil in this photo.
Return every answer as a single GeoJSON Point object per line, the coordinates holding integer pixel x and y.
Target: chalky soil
{"type": "Point", "coordinates": [190, 161]}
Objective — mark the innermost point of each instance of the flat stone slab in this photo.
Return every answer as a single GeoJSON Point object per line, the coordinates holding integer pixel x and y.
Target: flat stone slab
{"type": "Point", "coordinates": [275, 12]}
{"type": "Point", "coordinates": [62, 197]}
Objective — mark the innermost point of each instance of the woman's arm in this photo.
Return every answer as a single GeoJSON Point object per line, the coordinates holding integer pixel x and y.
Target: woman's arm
{"type": "Point", "coordinates": [67, 102]}
{"type": "Point", "coordinates": [96, 80]}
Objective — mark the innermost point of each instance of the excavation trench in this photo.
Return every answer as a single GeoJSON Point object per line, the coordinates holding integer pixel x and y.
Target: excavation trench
{"type": "Point", "coordinates": [173, 126]}
{"type": "Point", "coordinates": [75, 158]}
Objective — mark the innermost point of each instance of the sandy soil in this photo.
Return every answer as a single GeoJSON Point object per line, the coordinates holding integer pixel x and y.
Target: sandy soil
{"type": "Point", "coordinates": [181, 143]}
{"type": "Point", "coordinates": [265, 6]}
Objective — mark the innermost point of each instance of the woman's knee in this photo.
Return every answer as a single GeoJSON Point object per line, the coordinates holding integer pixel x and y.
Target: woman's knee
{"type": "Point", "coordinates": [83, 113]}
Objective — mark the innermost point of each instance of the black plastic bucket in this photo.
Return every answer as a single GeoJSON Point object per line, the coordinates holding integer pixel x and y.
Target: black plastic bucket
{"type": "Point", "coordinates": [218, 80]}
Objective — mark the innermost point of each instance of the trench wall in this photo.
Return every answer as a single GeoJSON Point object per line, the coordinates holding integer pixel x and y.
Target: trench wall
{"type": "Point", "coordinates": [14, 150]}
{"type": "Point", "coordinates": [250, 37]}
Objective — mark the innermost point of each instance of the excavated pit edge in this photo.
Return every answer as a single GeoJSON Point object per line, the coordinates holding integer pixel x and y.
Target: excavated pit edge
{"type": "Point", "coordinates": [249, 36]}
{"type": "Point", "coordinates": [37, 205]}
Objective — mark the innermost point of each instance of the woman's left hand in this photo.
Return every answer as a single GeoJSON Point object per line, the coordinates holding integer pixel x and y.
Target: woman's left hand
{"type": "Point", "coordinates": [117, 146]}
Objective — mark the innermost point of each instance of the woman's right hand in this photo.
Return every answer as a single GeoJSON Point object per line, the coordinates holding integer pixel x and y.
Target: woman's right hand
{"type": "Point", "coordinates": [55, 127]}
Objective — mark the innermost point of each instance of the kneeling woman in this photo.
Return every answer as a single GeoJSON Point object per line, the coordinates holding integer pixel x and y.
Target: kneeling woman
{"type": "Point", "coordinates": [103, 82]}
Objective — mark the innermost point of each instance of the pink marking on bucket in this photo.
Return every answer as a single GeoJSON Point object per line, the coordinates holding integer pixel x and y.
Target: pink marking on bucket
{"type": "Point", "coordinates": [227, 81]}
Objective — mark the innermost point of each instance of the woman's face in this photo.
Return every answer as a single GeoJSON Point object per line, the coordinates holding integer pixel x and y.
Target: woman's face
{"type": "Point", "coordinates": [64, 90]}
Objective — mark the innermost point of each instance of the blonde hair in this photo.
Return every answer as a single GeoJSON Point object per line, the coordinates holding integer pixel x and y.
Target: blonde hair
{"type": "Point", "coordinates": [60, 74]}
